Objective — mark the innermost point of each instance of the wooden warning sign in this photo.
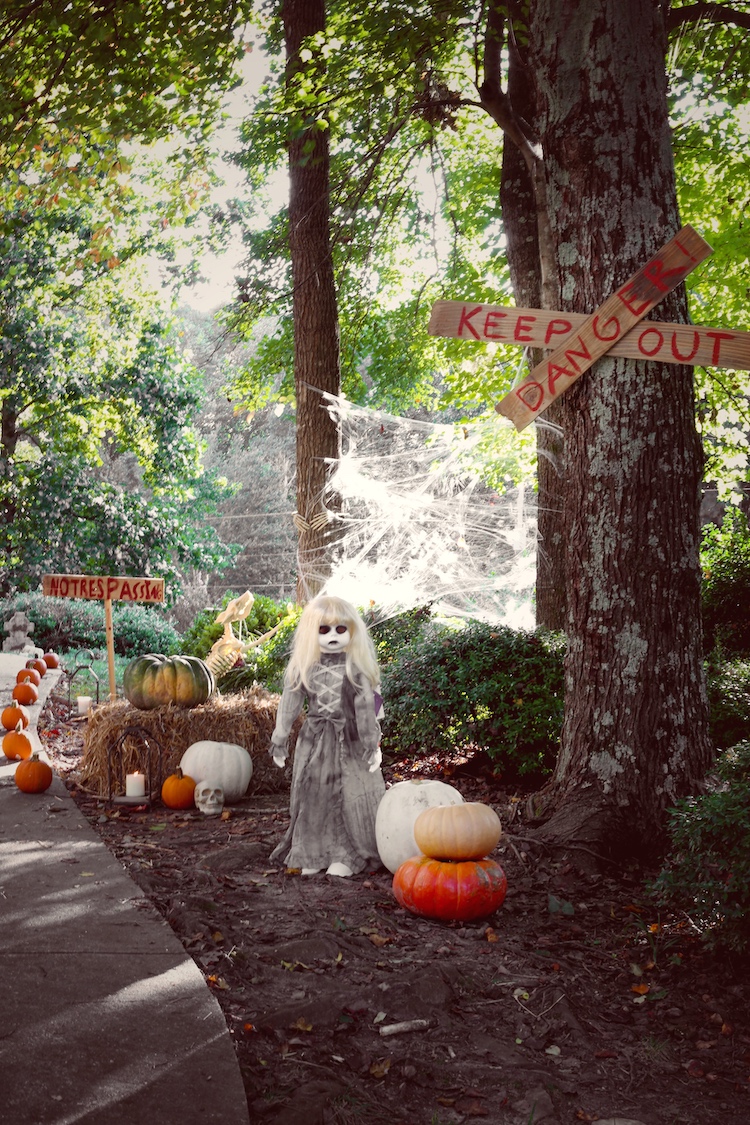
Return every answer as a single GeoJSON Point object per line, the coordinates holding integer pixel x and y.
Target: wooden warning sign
{"type": "Point", "coordinates": [603, 329]}
{"type": "Point", "coordinates": [541, 328]}
{"type": "Point", "coordinates": [106, 588]}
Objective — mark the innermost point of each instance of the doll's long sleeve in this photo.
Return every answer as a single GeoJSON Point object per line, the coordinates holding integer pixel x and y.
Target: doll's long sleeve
{"type": "Point", "coordinates": [290, 705]}
{"type": "Point", "coordinates": [368, 727]}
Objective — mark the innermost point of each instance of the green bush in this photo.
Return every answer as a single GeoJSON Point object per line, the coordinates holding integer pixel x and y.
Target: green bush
{"type": "Point", "coordinates": [477, 686]}
{"type": "Point", "coordinates": [725, 590]}
{"type": "Point", "coordinates": [707, 873]}
{"type": "Point", "coordinates": [205, 630]}
{"type": "Point", "coordinates": [391, 634]}
{"type": "Point", "coordinates": [65, 624]}
{"type": "Point", "coordinates": [729, 702]}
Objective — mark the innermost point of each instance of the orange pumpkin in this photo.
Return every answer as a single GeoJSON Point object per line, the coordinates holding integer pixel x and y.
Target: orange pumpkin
{"type": "Point", "coordinates": [450, 891]}
{"type": "Point", "coordinates": [17, 745]}
{"type": "Point", "coordinates": [467, 831]}
{"type": "Point", "coordinates": [25, 692]}
{"type": "Point", "coordinates": [14, 714]}
{"type": "Point", "coordinates": [178, 791]}
{"type": "Point", "coordinates": [37, 663]}
{"type": "Point", "coordinates": [29, 674]}
{"type": "Point", "coordinates": [51, 659]}
{"type": "Point", "coordinates": [33, 775]}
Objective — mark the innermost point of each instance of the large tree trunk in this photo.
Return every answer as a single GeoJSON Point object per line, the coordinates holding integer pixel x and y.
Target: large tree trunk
{"type": "Point", "coordinates": [316, 330]}
{"type": "Point", "coordinates": [635, 732]}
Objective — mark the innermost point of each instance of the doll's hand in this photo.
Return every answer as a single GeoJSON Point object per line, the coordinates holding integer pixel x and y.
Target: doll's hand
{"type": "Point", "coordinates": [279, 757]}
{"type": "Point", "coordinates": [373, 760]}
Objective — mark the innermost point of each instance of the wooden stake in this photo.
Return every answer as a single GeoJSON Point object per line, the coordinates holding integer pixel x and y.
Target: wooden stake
{"type": "Point", "coordinates": [110, 647]}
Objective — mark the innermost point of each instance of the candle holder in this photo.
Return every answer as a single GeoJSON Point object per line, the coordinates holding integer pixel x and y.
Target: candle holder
{"type": "Point", "coordinates": [148, 765]}
{"type": "Point", "coordinates": [84, 663]}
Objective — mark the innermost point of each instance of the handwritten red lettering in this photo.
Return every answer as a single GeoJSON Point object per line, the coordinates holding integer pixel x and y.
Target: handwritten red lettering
{"type": "Point", "coordinates": [659, 341]}
{"type": "Point", "coordinates": [112, 584]}
{"type": "Point", "coordinates": [537, 392]}
{"type": "Point", "coordinates": [689, 356]}
{"type": "Point", "coordinates": [630, 296]}
{"type": "Point", "coordinates": [555, 372]}
{"type": "Point", "coordinates": [524, 324]}
{"type": "Point", "coordinates": [614, 331]}
{"type": "Point", "coordinates": [717, 337]}
{"type": "Point", "coordinates": [466, 319]}
{"type": "Point", "coordinates": [64, 587]}
{"type": "Point", "coordinates": [684, 249]}
{"type": "Point", "coordinates": [664, 280]}
{"type": "Point", "coordinates": [557, 328]}
{"type": "Point", "coordinates": [490, 322]}
{"type": "Point", "coordinates": [125, 593]}
{"type": "Point", "coordinates": [584, 353]}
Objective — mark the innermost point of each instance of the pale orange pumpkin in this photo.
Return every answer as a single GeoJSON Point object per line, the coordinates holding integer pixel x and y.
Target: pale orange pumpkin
{"type": "Point", "coordinates": [25, 692]}
{"type": "Point", "coordinates": [460, 832]}
{"type": "Point", "coordinates": [14, 714]}
{"type": "Point", "coordinates": [33, 775]}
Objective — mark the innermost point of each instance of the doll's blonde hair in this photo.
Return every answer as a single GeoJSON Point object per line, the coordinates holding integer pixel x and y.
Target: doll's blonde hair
{"type": "Point", "coordinates": [329, 610]}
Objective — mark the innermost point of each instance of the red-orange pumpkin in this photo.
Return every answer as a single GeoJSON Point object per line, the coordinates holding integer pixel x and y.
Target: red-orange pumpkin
{"type": "Point", "coordinates": [450, 891]}
{"type": "Point", "coordinates": [37, 663]}
{"type": "Point", "coordinates": [29, 674]}
{"type": "Point", "coordinates": [33, 775]}
{"type": "Point", "coordinates": [25, 692]}
{"type": "Point", "coordinates": [51, 659]}
{"type": "Point", "coordinates": [14, 714]}
{"type": "Point", "coordinates": [178, 791]}
{"type": "Point", "coordinates": [17, 745]}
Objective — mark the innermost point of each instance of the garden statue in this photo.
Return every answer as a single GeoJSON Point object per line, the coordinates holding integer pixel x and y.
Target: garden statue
{"type": "Point", "coordinates": [18, 627]}
{"type": "Point", "coordinates": [336, 780]}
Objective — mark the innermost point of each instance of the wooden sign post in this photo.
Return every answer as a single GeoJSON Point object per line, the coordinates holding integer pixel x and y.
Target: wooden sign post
{"type": "Point", "coordinates": [106, 588]}
{"type": "Point", "coordinates": [578, 341]}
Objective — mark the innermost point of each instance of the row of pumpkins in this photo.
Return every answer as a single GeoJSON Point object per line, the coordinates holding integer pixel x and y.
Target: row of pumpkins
{"type": "Point", "coordinates": [32, 774]}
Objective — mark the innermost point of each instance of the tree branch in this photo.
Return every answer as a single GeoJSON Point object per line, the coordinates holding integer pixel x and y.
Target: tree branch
{"type": "Point", "coordinates": [710, 13]}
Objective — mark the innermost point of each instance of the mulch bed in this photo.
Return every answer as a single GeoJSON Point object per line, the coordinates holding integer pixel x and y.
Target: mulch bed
{"type": "Point", "coordinates": [573, 1003]}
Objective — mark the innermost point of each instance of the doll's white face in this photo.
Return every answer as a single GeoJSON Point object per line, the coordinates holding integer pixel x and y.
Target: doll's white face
{"type": "Point", "coordinates": [333, 638]}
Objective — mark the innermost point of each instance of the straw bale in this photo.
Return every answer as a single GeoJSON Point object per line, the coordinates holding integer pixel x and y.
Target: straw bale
{"type": "Point", "coordinates": [246, 718]}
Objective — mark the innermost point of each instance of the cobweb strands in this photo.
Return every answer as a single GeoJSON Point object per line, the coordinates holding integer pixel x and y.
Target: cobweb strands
{"type": "Point", "coordinates": [418, 525]}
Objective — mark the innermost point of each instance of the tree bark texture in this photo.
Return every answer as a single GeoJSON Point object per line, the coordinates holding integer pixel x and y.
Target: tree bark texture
{"type": "Point", "coordinates": [635, 733]}
{"type": "Point", "coordinates": [315, 314]}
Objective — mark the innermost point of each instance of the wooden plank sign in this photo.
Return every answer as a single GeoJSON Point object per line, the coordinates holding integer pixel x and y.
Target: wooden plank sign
{"type": "Point", "coordinates": [600, 331]}
{"type": "Point", "coordinates": [540, 328]}
{"type": "Point", "coordinates": [103, 587]}
{"type": "Point", "coordinates": [106, 588]}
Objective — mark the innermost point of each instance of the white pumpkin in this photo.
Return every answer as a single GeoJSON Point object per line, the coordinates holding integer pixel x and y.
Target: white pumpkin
{"type": "Point", "coordinates": [397, 811]}
{"type": "Point", "coordinates": [224, 763]}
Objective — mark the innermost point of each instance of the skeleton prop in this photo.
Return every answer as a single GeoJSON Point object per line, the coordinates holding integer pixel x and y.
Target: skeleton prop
{"type": "Point", "coordinates": [209, 797]}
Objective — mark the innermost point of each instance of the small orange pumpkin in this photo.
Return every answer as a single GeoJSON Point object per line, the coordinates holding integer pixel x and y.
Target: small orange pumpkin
{"type": "Point", "coordinates": [25, 692]}
{"type": "Point", "coordinates": [29, 674]}
{"type": "Point", "coordinates": [17, 745]}
{"type": "Point", "coordinates": [33, 775]}
{"type": "Point", "coordinates": [37, 663]}
{"type": "Point", "coordinates": [14, 714]}
{"type": "Point", "coordinates": [178, 790]}
{"type": "Point", "coordinates": [51, 659]}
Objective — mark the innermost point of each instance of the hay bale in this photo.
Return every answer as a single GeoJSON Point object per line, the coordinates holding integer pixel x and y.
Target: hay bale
{"type": "Point", "coordinates": [246, 718]}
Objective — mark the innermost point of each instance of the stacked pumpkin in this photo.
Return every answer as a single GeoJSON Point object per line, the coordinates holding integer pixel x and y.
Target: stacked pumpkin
{"type": "Point", "coordinates": [453, 879]}
{"type": "Point", "coordinates": [154, 680]}
{"type": "Point", "coordinates": [32, 774]}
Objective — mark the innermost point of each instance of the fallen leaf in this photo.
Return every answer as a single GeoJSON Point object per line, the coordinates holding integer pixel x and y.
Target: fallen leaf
{"type": "Point", "coordinates": [380, 1067]}
{"type": "Point", "coordinates": [302, 1024]}
{"type": "Point", "coordinates": [641, 989]}
{"type": "Point", "coordinates": [378, 940]}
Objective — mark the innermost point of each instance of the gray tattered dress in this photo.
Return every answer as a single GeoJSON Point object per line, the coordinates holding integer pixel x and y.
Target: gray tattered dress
{"type": "Point", "coordinates": [334, 797]}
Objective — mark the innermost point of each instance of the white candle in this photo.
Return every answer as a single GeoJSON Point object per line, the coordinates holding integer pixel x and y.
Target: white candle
{"type": "Point", "coordinates": [84, 704]}
{"type": "Point", "coordinates": [135, 785]}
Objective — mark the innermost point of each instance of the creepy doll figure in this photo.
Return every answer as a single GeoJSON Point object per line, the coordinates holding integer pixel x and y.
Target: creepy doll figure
{"type": "Point", "coordinates": [336, 780]}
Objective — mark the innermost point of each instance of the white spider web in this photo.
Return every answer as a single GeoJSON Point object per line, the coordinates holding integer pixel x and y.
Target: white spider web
{"type": "Point", "coordinates": [419, 525]}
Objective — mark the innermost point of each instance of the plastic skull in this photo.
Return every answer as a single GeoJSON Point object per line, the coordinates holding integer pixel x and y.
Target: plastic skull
{"type": "Point", "coordinates": [209, 797]}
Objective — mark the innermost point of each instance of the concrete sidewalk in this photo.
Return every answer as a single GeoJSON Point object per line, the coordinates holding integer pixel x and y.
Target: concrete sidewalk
{"type": "Point", "coordinates": [103, 1016]}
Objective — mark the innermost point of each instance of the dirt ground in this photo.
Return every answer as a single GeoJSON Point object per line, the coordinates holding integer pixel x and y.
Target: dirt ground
{"type": "Point", "coordinates": [573, 1003]}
